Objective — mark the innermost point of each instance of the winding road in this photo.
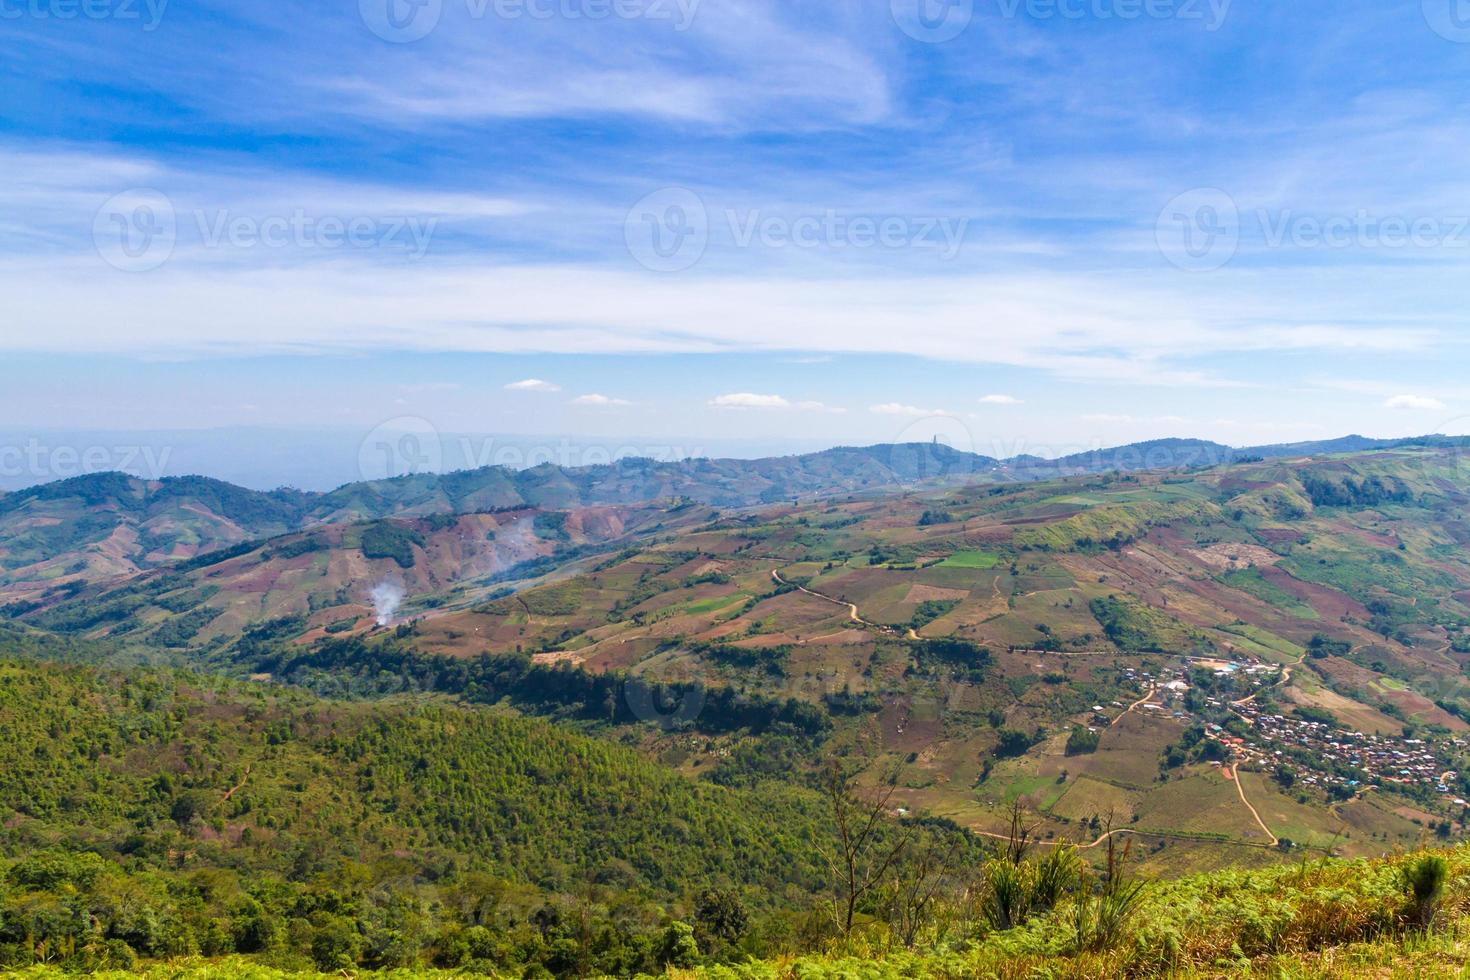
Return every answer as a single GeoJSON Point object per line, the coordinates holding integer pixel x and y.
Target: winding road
{"type": "Point", "coordinates": [1234, 769]}
{"type": "Point", "coordinates": [1141, 701]}
{"type": "Point", "coordinates": [852, 609]}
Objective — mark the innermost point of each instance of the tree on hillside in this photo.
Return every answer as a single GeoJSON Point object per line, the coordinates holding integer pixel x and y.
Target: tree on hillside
{"type": "Point", "coordinates": [1424, 879]}
{"type": "Point", "coordinates": [1015, 885]}
{"type": "Point", "coordinates": [720, 919]}
{"type": "Point", "coordinates": [1082, 741]}
{"type": "Point", "coordinates": [918, 884]}
{"type": "Point", "coordinates": [867, 847]}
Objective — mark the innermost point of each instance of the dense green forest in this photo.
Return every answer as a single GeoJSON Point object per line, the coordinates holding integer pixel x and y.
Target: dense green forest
{"type": "Point", "coordinates": [357, 667]}
{"type": "Point", "coordinates": [151, 813]}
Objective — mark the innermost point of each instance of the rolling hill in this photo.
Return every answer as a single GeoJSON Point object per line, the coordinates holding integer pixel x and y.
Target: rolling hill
{"type": "Point", "coordinates": [1247, 664]}
{"type": "Point", "coordinates": [1199, 624]}
{"type": "Point", "coordinates": [104, 526]}
{"type": "Point", "coordinates": [1194, 622]}
{"type": "Point", "coordinates": [156, 814]}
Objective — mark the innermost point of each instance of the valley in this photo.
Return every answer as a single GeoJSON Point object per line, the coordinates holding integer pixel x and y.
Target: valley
{"type": "Point", "coordinates": [1215, 634]}
{"type": "Point", "coordinates": [1240, 665]}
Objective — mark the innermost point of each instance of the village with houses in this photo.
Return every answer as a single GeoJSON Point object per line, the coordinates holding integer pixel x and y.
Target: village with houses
{"type": "Point", "coordinates": [1260, 734]}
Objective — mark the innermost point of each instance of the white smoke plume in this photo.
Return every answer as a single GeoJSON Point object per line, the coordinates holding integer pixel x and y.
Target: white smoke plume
{"type": "Point", "coordinates": [387, 597]}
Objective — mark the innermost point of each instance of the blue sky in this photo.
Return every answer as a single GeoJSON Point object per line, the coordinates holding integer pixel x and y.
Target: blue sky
{"type": "Point", "coordinates": [1038, 223]}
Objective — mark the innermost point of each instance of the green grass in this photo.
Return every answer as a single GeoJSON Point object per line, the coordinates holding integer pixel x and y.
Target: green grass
{"type": "Point", "coordinates": [1045, 790]}
{"type": "Point", "coordinates": [1112, 522]}
{"type": "Point", "coordinates": [1397, 956]}
{"type": "Point", "coordinates": [714, 603]}
{"type": "Point", "coordinates": [982, 560]}
{"type": "Point", "coordinates": [1336, 919]}
{"type": "Point", "coordinates": [1252, 582]}
{"type": "Point", "coordinates": [1265, 638]}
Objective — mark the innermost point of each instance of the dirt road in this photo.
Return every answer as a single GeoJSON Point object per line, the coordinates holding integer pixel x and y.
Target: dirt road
{"type": "Point", "coordinates": [1141, 701]}
{"type": "Point", "coordinates": [1239, 788]}
{"type": "Point", "coordinates": [852, 609]}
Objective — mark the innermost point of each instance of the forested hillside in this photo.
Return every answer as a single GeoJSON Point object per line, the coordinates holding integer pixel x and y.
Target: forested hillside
{"type": "Point", "coordinates": [152, 814]}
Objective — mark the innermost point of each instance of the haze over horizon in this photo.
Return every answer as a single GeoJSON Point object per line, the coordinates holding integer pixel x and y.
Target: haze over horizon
{"type": "Point", "coordinates": [316, 459]}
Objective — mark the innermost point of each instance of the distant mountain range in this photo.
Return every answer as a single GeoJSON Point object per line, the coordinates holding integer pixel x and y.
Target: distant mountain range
{"type": "Point", "coordinates": [112, 524]}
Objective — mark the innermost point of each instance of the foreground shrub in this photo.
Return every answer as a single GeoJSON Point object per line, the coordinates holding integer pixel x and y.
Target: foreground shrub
{"type": "Point", "coordinates": [1424, 878]}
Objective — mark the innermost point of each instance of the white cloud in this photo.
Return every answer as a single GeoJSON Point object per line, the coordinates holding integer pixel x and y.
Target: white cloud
{"type": "Point", "coordinates": [745, 399]}
{"type": "Point", "coordinates": [463, 295]}
{"type": "Point", "coordinates": [894, 408]}
{"type": "Point", "coordinates": [1000, 400]}
{"type": "Point", "coordinates": [1074, 328]}
{"type": "Point", "coordinates": [728, 64]}
{"type": "Point", "coordinates": [1420, 403]}
{"type": "Point", "coordinates": [599, 401]}
{"type": "Point", "coordinates": [532, 384]}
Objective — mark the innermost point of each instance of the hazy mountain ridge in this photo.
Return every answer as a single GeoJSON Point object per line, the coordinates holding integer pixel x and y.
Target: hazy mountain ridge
{"type": "Point", "coordinates": [126, 523]}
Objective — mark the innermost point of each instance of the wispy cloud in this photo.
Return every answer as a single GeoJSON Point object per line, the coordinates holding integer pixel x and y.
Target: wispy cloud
{"type": "Point", "coordinates": [764, 110]}
{"type": "Point", "coordinates": [746, 399]}
{"type": "Point", "coordinates": [912, 411]}
{"type": "Point", "coordinates": [532, 384]}
{"type": "Point", "coordinates": [750, 400]}
{"type": "Point", "coordinates": [599, 401]}
{"type": "Point", "coordinates": [1418, 403]}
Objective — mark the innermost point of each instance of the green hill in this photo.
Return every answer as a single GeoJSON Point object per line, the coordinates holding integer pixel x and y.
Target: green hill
{"type": "Point", "coordinates": [153, 814]}
{"type": "Point", "coordinates": [1245, 665]}
{"type": "Point", "coordinates": [105, 525]}
{"type": "Point", "coordinates": [962, 631]}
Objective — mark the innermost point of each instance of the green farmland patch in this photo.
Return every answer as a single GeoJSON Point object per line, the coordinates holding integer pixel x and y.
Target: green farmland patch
{"type": "Point", "coordinates": [983, 560]}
